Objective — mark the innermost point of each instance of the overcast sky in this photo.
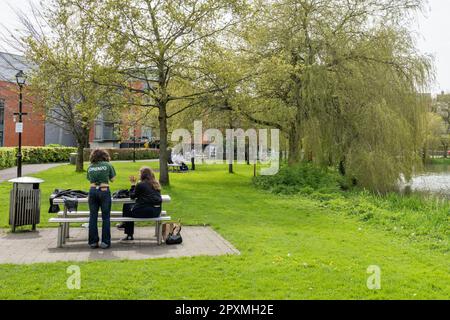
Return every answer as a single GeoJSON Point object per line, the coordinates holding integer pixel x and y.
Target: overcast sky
{"type": "Point", "coordinates": [433, 34]}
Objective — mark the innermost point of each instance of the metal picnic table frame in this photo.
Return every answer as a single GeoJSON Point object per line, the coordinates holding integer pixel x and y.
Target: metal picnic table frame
{"type": "Point", "coordinates": [66, 226]}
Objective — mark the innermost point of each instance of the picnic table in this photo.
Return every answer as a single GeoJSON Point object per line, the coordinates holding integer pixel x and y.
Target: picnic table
{"type": "Point", "coordinates": [66, 217]}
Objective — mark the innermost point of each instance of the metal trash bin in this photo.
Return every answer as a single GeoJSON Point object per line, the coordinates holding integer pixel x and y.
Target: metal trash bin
{"type": "Point", "coordinates": [25, 202]}
{"type": "Point", "coordinates": [73, 158]}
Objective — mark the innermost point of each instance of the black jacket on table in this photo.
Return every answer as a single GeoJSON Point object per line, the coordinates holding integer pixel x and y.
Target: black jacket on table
{"type": "Point", "coordinates": [145, 195]}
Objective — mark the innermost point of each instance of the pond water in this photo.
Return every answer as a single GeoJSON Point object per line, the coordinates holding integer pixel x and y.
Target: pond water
{"type": "Point", "coordinates": [435, 179]}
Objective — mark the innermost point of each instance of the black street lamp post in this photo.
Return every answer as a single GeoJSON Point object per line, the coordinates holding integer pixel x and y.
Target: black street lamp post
{"type": "Point", "coordinates": [21, 79]}
{"type": "Point", "coordinates": [134, 143]}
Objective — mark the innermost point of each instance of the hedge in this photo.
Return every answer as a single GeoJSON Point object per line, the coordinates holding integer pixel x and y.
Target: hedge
{"type": "Point", "coordinates": [47, 155]}
{"type": "Point", "coordinates": [7, 157]}
{"type": "Point", "coordinates": [127, 154]}
{"type": "Point", "coordinates": [33, 155]}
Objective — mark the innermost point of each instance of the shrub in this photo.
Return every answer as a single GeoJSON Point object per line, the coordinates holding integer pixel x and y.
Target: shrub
{"type": "Point", "coordinates": [303, 178]}
{"type": "Point", "coordinates": [33, 155]}
{"type": "Point", "coordinates": [57, 153]}
{"type": "Point", "coordinates": [55, 145]}
{"type": "Point", "coordinates": [7, 157]}
{"type": "Point", "coordinates": [47, 154]}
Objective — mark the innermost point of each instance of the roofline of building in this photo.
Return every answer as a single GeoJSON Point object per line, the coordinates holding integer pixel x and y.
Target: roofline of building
{"type": "Point", "coordinates": [12, 54]}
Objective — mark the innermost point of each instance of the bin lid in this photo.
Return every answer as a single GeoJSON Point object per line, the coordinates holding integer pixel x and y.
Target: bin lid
{"type": "Point", "coordinates": [26, 180]}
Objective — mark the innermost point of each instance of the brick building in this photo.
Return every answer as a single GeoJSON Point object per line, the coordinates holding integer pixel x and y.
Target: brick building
{"type": "Point", "coordinates": [105, 132]}
{"type": "Point", "coordinates": [33, 123]}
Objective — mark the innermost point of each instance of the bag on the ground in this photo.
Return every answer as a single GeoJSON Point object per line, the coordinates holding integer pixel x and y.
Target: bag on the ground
{"type": "Point", "coordinates": [174, 236]}
{"type": "Point", "coordinates": [166, 230]}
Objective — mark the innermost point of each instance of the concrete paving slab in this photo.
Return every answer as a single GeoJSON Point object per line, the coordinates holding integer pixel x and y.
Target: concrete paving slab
{"type": "Point", "coordinates": [40, 246]}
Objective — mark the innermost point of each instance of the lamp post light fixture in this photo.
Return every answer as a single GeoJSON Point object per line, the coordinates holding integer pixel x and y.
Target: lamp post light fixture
{"type": "Point", "coordinates": [21, 80]}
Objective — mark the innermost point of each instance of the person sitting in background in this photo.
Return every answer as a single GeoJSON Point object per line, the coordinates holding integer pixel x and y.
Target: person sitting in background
{"type": "Point", "coordinates": [148, 200]}
{"type": "Point", "coordinates": [178, 159]}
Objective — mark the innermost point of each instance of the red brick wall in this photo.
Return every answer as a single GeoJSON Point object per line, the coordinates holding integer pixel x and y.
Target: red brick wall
{"type": "Point", "coordinates": [92, 134]}
{"type": "Point", "coordinates": [33, 123]}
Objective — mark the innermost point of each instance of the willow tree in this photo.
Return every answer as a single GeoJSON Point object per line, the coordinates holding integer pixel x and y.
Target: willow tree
{"type": "Point", "coordinates": [66, 57]}
{"type": "Point", "coordinates": [158, 44]}
{"type": "Point", "coordinates": [342, 80]}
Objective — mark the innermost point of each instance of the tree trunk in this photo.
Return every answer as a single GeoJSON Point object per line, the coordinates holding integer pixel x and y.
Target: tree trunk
{"type": "Point", "coordinates": [83, 142]}
{"type": "Point", "coordinates": [230, 126]}
{"type": "Point", "coordinates": [342, 169]}
{"type": "Point", "coordinates": [295, 149]}
{"type": "Point", "coordinates": [425, 154]}
{"type": "Point", "coordinates": [80, 157]}
{"type": "Point", "coordinates": [163, 147]}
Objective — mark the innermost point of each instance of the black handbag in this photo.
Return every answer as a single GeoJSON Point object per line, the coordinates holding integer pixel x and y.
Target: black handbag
{"type": "Point", "coordinates": [175, 236]}
{"type": "Point", "coordinates": [121, 194]}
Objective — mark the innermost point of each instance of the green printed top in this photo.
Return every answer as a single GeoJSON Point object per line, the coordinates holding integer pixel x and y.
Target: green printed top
{"type": "Point", "coordinates": [100, 172]}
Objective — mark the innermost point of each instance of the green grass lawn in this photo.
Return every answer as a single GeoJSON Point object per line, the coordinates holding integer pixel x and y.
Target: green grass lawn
{"type": "Point", "coordinates": [440, 161]}
{"type": "Point", "coordinates": [292, 247]}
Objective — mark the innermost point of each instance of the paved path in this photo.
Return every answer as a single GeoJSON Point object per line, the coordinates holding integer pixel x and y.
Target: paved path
{"type": "Point", "coordinates": [40, 246]}
{"type": "Point", "coordinates": [130, 161]}
{"type": "Point", "coordinates": [11, 173]}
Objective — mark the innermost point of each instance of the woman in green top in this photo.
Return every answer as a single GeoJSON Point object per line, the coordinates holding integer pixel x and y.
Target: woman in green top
{"type": "Point", "coordinates": [99, 174]}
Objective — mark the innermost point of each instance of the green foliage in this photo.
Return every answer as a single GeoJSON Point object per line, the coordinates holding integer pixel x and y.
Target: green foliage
{"type": "Point", "coordinates": [33, 155]}
{"type": "Point", "coordinates": [302, 178]}
{"type": "Point", "coordinates": [440, 161]}
{"type": "Point", "coordinates": [161, 45]}
{"type": "Point", "coordinates": [342, 81]}
{"type": "Point", "coordinates": [413, 215]}
{"type": "Point", "coordinates": [54, 145]}
{"type": "Point", "coordinates": [7, 157]}
{"type": "Point", "coordinates": [47, 154]}
{"type": "Point", "coordinates": [55, 153]}
{"type": "Point", "coordinates": [68, 56]}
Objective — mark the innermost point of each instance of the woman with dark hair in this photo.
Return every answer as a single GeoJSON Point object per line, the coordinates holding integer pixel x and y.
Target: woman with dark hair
{"type": "Point", "coordinates": [99, 174]}
{"type": "Point", "coordinates": [148, 200]}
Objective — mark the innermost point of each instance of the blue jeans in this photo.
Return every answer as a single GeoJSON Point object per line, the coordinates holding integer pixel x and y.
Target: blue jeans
{"type": "Point", "coordinates": [99, 198]}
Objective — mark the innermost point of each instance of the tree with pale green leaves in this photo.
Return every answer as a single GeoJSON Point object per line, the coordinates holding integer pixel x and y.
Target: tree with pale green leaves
{"type": "Point", "coordinates": [67, 58]}
{"type": "Point", "coordinates": [158, 44]}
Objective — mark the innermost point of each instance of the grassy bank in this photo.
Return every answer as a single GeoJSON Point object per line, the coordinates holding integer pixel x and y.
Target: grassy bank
{"type": "Point", "coordinates": [445, 161]}
{"type": "Point", "coordinates": [414, 215]}
{"type": "Point", "coordinates": [315, 245]}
